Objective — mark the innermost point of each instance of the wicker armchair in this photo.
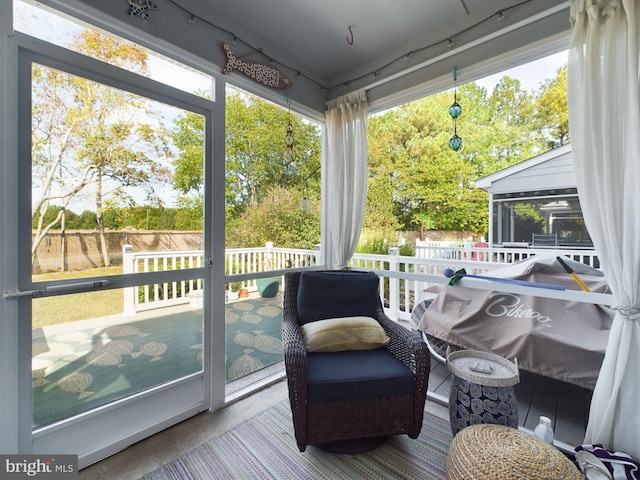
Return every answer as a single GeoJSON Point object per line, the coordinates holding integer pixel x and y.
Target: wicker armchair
{"type": "Point", "coordinates": [351, 424]}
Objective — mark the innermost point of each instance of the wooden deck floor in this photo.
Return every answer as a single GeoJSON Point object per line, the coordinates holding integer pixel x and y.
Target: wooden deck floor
{"type": "Point", "coordinates": [566, 405]}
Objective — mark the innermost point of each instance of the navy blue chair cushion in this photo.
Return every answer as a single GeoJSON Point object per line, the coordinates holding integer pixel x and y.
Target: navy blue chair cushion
{"type": "Point", "coordinates": [356, 375]}
{"type": "Point", "coordinates": [323, 295]}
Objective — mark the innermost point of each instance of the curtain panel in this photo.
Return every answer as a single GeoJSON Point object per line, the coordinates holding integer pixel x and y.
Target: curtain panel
{"type": "Point", "coordinates": [604, 118]}
{"type": "Point", "coordinates": [347, 166]}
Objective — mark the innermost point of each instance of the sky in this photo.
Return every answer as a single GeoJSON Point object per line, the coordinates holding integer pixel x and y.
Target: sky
{"type": "Point", "coordinates": [531, 75]}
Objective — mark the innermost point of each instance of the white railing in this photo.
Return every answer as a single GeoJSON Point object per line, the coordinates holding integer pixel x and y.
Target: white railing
{"type": "Point", "coordinates": [237, 261]}
{"type": "Point", "coordinates": [397, 294]}
{"type": "Point", "coordinates": [159, 295]}
{"type": "Point", "coordinates": [401, 277]}
{"type": "Point", "coordinates": [260, 259]}
{"type": "Point", "coordinates": [498, 254]}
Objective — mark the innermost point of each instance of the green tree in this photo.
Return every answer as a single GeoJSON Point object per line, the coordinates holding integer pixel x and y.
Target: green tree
{"type": "Point", "coordinates": [188, 177]}
{"type": "Point", "coordinates": [255, 162]}
{"type": "Point", "coordinates": [188, 137]}
{"type": "Point", "coordinates": [552, 113]}
{"type": "Point", "coordinates": [88, 220]}
{"type": "Point", "coordinates": [123, 149]}
{"type": "Point", "coordinates": [513, 133]}
{"type": "Point", "coordinates": [277, 218]}
{"type": "Point", "coordinates": [433, 185]}
{"type": "Point", "coordinates": [190, 214]}
{"type": "Point", "coordinates": [73, 220]}
{"type": "Point", "coordinates": [86, 134]}
{"type": "Point", "coordinates": [379, 213]}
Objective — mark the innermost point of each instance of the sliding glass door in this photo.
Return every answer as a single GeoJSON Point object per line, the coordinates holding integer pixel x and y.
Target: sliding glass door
{"type": "Point", "coordinates": [115, 260]}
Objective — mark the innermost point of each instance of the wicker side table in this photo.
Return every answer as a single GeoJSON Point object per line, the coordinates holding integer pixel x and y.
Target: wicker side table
{"type": "Point", "coordinates": [481, 389]}
{"type": "Point", "coordinates": [496, 452]}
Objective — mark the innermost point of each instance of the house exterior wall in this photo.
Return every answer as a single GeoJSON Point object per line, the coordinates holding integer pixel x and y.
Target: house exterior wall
{"type": "Point", "coordinates": [546, 183]}
{"type": "Point", "coordinates": [555, 173]}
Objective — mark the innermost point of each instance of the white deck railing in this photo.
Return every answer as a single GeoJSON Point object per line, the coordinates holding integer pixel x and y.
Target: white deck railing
{"type": "Point", "coordinates": [237, 261]}
{"type": "Point", "coordinates": [498, 254]}
{"type": "Point", "coordinates": [401, 277]}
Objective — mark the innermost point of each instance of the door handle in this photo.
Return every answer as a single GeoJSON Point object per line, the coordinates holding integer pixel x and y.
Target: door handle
{"type": "Point", "coordinates": [59, 289]}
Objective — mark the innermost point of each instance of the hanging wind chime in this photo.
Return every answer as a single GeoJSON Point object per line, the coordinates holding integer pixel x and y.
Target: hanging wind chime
{"type": "Point", "coordinates": [455, 110]}
{"type": "Point", "coordinates": [289, 152]}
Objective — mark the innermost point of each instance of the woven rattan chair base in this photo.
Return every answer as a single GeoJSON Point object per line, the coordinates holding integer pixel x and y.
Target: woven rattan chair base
{"type": "Point", "coordinates": [357, 445]}
{"type": "Point", "coordinates": [496, 452]}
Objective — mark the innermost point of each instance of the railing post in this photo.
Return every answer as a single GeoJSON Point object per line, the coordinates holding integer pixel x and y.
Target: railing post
{"type": "Point", "coordinates": [129, 295]}
{"type": "Point", "coordinates": [268, 261]}
{"type": "Point", "coordinates": [318, 253]}
{"type": "Point", "coordinates": [394, 283]}
{"type": "Point", "coordinates": [468, 246]}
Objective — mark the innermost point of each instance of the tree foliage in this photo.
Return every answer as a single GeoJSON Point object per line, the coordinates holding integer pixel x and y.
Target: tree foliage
{"type": "Point", "coordinates": [552, 111]}
{"type": "Point", "coordinates": [92, 140]}
{"type": "Point", "coordinates": [277, 218]}
{"type": "Point", "coordinates": [257, 173]}
{"type": "Point", "coordinates": [255, 131]}
{"type": "Point", "coordinates": [431, 186]}
{"type": "Point", "coordinates": [188, 137]}
{"type": "Point", "coordinates": [97, 142]}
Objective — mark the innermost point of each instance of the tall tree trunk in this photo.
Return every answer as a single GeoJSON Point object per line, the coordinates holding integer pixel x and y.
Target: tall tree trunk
{"type": "Point", "coordinates": [63, 242]}
{"type": "Point", "coordinates": [103, 237]}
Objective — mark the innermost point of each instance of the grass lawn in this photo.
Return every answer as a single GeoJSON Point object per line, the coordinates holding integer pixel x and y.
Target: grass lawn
{"type": "Point", "coordinates": [77, 306]}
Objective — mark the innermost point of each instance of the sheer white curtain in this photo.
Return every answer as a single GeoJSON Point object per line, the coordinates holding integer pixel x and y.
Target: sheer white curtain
{"type": "Point", "coordinates": [604, 116]}
{"type": "Point", "coordinates": [347, 165]}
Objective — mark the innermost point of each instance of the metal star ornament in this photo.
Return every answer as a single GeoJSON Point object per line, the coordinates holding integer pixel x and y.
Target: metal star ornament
{"type": "Point", "coordinates": [140, 8]}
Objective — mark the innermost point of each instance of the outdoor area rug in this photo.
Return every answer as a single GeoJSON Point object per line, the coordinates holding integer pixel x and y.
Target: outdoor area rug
{"type": "Point", "coordinates": [253, 335]}
{"type": "Point", "coordinates": [264, 447]}
{"type": "Point", "coordinates": [83, 365]}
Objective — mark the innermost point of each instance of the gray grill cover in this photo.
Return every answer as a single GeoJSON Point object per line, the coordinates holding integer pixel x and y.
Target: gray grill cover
{"type": "Point", "coordinates": [559, 339]}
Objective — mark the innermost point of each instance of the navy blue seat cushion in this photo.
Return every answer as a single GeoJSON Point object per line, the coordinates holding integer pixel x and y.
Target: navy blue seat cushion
{"type": "Point", "coordinates": [356, 375]}
{"type": "Point", "coordinates": [323, 295]}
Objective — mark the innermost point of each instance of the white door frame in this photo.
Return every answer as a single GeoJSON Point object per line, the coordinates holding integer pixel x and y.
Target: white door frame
{"type": "Point", "coordinates": [106, 430]}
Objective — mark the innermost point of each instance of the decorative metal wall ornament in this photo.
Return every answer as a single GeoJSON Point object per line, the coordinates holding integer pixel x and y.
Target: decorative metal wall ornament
{"type": "Point", "coordinates": [140, 8]}
{"type": "Point", "coordinates": [261, 73]}
{"type": "Point", "coordinates": [289, 152]}
{"type": "Point", "coordinates": [455, 110]}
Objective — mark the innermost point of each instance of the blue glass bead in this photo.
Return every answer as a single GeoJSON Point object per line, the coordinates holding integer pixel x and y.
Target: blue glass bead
{"type": "Point", "coordinates": [455, 110]}
{"type": "Point", "coordinates": [455, 143]}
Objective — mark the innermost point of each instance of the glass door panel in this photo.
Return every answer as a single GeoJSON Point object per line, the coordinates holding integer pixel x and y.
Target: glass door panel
{"type": "Point", "coordinates": [118, 269]}
{"type": "Point", "coordinates": [253, 334]}
{"type": "Point", "coordinates": [86, 354]}
{"type": "Point", "coordinates": [110, 177]}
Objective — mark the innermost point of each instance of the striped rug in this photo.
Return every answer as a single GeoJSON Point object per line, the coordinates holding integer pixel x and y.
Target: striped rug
{"type": "Point", "coordinates": [265, 448]}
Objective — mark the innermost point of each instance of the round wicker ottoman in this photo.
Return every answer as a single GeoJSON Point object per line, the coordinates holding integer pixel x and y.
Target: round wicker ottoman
{"type": "Point", "coordinates": [496, 452]}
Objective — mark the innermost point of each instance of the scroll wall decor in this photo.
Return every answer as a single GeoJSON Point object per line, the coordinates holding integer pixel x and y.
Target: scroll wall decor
{"type": "Point", "coordinates": [261, 73]}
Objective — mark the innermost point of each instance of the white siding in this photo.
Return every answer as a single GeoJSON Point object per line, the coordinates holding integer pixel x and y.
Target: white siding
{"type": "Point", "coordinates": [554, 173]}
{"type": "Point", "coordinates": [545, 172]}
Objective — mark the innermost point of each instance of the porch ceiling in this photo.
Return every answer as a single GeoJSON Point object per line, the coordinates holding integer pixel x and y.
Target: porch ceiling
{"type": "Point", "coordinates": [311, 37]}
{"type": "Point", "coordinates": [400, 50]}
